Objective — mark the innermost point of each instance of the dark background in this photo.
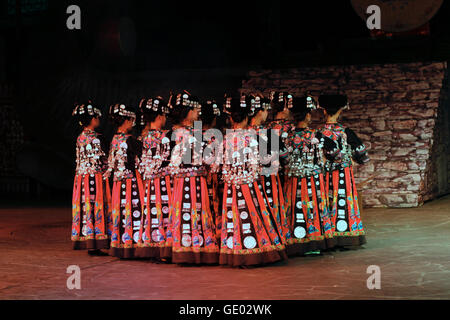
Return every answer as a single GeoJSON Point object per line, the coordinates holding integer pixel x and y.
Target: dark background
{"type": "Point", "coordinates": [202, 46]}
{"type": "Point", "coordinates": [209, 34]}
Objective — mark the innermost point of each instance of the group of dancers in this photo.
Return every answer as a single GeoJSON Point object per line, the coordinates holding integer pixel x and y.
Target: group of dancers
{"type": "Point", "coordinates": [249, 184]}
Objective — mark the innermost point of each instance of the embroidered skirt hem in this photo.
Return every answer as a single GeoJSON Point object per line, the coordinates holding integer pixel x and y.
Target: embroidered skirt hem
{"type": "Point", "coordinates": [154, 251]}
{"type": "Point", "coordinates": [201, 257]}
{"type": "Point", "coordinates": [91, 244]}
{"type": "Point", "coordinates": [251, 259]}
{"type": "Point", "coordinates": [350, 241]}
{"type": "Point", "coordinates": [123, 253]}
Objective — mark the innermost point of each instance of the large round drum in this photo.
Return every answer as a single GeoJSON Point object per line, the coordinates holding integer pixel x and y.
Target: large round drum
{"type": "Point", "coordinates": [400, 15]}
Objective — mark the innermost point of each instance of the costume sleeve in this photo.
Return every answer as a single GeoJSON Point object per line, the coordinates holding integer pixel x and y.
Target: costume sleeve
{"type": "Point", "coordinates": [283, 145]}
{"type": "Point", "coordinates": [166, 147]}
{"type": "Point", "coordinates": [97, 152]}
{"type": "Point", "coordinates": [172, 141]}
{"type": "Point", "coordinates": [253, 155]}
{"type": "Point", "coordinates": [213, 153]}
{"type": "Point", "coordinates": [77, 157]}
{"type": "Point", "coordinates": [278, 152]}
{"type": "Point", "coordinates": [264, 146]}
{"type": "Point", "coordinates": [110, 164]}
{"type": "Point", "coordinates": [331, 149]}
{"type": "Point", "coordinates": [177, 149]}
{"type": "Point", "coordinates": [134, 152]}
{"type": "Point", "coordinates": [359, 150]}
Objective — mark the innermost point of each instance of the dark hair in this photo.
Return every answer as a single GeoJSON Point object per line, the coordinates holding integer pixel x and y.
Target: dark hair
{"type": "Point", "coordinates": [85, 119]}
{"type": "Point", "coordinates": [179, 113]}
{"type": "Point", "coordinates": [238, 113]}
{"type": "Point", "coordinates": [276, 105]}
{"type": "Point", "coordinates": [222, 121]}
{"type": "Point", "coordinates": [150, 116]}
{"type": "Point", "coordinates": [238, 116]}
{"type": "Point", "coordinates": [146, 112]}
{"type": "Point", "coordinates": [332, 103]}
{"type": "Point", "coordinates": [299, 108]}
{"type": "Point", "coordinates": [207, 115]}
{"type": "Point", "coordinates": [250, 117]}
{"type": "Point", "coordinates": [118, 120]}
{"type": "Point", "coordinates": [180, 109]}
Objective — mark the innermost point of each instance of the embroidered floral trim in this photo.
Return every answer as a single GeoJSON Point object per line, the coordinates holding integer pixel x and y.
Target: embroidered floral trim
{"type": "Point", "coordinates": [306, 156]}
{"type": "Point", "coordinates": [253, 251]}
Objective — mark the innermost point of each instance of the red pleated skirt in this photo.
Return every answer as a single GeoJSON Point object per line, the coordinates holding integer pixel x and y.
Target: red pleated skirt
{"type": "Point", "coordinates": [309, 218]}
{"type": "Point", "coordinates": [214, 197]}
{"type": "Point", "coordinates": [155, 238]}
{"type": "Point", "coordinates": [344, 213]}
{"type": "Point", "coordinates": [90, 213]}
{"type": "Point", "coordinates": [193, 230]}
{"type": "Point", "coordinates": [249, 236]}
{"type": "Point", "coordinates": [277, 205]}
{"type": "Point", "coordinates": [127, 210]}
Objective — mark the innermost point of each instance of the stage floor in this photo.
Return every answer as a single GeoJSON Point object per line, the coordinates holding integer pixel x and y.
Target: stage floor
{"type": "Point", "coordinates": [411, 247]}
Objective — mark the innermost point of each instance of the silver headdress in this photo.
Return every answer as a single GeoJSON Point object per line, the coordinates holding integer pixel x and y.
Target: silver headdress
{"type": "Point", "coordinates": [121, 110]}
{"type": "Point", "coordinates": [311, 103]}
{"type": "Point", "coordinates": [86, 109]}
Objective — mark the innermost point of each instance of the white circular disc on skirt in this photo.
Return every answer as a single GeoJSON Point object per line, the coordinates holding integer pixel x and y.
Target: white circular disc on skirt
{"type": "Point", "coordinates": [230, 242]}
{"type": "Point", "coordinates": [341, 225]}
{"type": "Point", "coordinates": [155, 235]}
{"type": "Point", "coordinates": [186, 240]}
{"type": "Point", "coordinates": [299, 232]}
{"type": "Point", "coordinates": [250, 242]}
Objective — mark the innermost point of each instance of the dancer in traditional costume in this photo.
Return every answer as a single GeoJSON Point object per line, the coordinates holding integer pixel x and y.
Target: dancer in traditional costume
{"type": "Point", "coordinates": [282, 120]}
{"type": "Point", "coordinates": [210, 113]}
{"type": "Point", "coordinates": [340, 183]}
{"type": "Point", "coordinates": [272, 150]}
{"type": "Point", "coordinates": [127, 191]}
{"type": "Point", "coordinates": [307, 199]}
{"type": "Point", "coordinates": [89, 203]}
{"type": "Point", "coordinates": [153, 166]}
{"type": "Point", "coordinates": [194, 236]}
{"type": "Point", "coordinates": [248, 235]}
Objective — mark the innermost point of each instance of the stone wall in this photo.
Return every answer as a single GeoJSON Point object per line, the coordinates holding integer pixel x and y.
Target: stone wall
{"type": "Point", "coordinates": [399, 110]}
